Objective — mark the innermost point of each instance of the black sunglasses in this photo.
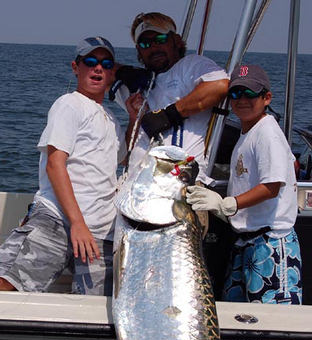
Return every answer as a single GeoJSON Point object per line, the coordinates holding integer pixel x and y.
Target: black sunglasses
{"type": "Point", "coordinates": [159, 39]}
{"type": "Point", "coordinates": [238, 93]}
{"type": "Point", "coordinates": [90, 61]}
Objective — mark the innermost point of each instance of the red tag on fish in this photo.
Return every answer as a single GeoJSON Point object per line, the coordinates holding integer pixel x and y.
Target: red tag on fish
{"type": "Point", "coordinates": [176, 171]}
{"type": "Point", "coordinates": [190, 159]}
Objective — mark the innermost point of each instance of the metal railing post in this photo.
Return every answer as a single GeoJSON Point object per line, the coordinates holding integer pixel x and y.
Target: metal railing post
{"type": "Point", "coordinates": [291, 68]}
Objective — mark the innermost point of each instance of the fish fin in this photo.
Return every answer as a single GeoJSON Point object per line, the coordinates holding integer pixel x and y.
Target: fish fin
{"type": "Point", "coordinates": [182, 211]}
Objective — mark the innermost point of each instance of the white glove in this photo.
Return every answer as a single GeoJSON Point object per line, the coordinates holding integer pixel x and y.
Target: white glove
{"type": "Point", "coordinates": [204, 199]}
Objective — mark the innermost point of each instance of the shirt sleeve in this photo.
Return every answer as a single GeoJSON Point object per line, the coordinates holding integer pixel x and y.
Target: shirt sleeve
{"type": "Point", "coordinates": [273, 158]}
{"type": "Point", "coordinates": [204, 69]}
{"type": "Point", "coordinates": [120, 134]}
{"type": "Point", "coordinates": [121, 96]}
{"type": "Point", "coordinates": [122, 149]}
{"type": "Point", "coordinates": [62, 127]}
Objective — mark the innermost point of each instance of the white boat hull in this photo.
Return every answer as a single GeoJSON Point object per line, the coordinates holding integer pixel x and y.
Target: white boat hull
{"type": "Point", "coordinates": [71, 315]}
{"type": "Point", "coordinates": [91, 316]}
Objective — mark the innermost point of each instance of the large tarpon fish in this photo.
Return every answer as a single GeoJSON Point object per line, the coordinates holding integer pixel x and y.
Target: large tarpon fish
{"type": "Point", "coordinates": [162, 289]}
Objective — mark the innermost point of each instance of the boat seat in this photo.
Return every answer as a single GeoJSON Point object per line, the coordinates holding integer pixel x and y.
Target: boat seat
{"type": "Point", "coordinates": [13, 208]}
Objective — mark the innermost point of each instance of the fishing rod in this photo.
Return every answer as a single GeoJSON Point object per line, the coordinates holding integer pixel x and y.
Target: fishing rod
{"type": "Point", "coordinates": [200, 49]}
{"type": "Point", "coordinates": [252, 31]}
{"type": "Point", "coordinates": [256, 22]}
{"type": "Point", "coordinates": [188, 20]}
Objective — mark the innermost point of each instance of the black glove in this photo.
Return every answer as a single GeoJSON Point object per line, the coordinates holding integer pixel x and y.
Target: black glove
{"type": "Point", "coordinates": [154, 122]}
{"type": "Point", "coordinates": [135, 78]}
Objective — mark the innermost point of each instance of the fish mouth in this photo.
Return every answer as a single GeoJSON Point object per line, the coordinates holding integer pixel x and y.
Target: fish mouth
{"type": "Point", "coordinates": [145, 226]}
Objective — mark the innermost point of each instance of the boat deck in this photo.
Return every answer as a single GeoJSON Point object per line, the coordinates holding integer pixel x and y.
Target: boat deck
{"type": "Point", "coordinates": [90, 317]}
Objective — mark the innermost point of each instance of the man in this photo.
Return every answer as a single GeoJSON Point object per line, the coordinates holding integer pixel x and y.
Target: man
{"type": "Point", "coordinates": [183, 94]}
{"type": "Point", "coordinates": [262, 199]}
{"type": "Point", "coordinates": [180, 100]}
{"type": "Point", "coordinates": [71, 220]}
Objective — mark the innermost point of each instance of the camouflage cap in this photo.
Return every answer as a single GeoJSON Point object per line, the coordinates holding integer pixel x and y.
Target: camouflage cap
{"type": "Point", "coordinates": [87, 45]}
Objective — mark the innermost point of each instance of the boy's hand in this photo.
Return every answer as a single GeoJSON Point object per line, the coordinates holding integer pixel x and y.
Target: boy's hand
{"type": "Point", "coordinates": [204, 199]}
{"type": "Point", "coordinates": [83, 242]}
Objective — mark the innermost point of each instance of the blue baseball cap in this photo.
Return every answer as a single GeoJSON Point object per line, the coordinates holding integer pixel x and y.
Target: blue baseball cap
{"type": "Point", "coordinates": [87, 45]}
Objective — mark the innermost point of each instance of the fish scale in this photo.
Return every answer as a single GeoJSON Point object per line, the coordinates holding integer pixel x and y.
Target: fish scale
{"type": "Point", "coordinates": [165, 291]}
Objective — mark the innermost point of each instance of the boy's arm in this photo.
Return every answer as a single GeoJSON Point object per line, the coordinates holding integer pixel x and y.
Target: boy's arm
{"type": "Point", "coordinates": [258, 194]}
{"type": "Point", "coordinates": [81, 237]}
{"type": "Point", "coordinates": [204, 199]}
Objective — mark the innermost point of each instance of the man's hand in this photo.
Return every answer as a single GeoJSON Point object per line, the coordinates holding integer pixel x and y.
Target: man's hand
{"type": "Point", "coordinates": [154, 122]}
{"type": "Point", "coordinates": [83, 242]}
{"type": "Point", "coordinates": [204, 199]}
{"type": "Point", "coordinates": [135, 78]}
{"type": "Point", "coordinates": [134, 104]}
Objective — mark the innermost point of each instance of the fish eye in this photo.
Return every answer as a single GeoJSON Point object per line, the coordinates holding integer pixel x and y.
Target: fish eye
{"type": "Point", "coordinates": [184, 177]}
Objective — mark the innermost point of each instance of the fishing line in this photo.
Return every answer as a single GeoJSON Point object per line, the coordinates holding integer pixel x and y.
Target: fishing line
{"type": "Point", "coordinates": [140, 114]}
{"type": "Point", "coordinates": [136, 126]}
{"type": "Point", "coordinates": [69, 86]}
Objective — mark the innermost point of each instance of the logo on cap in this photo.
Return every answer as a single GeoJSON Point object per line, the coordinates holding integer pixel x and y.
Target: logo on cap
{"type": "Point", "coordinates": [243, 71]}
{"type": "Point", "coordinates": [96, 41]}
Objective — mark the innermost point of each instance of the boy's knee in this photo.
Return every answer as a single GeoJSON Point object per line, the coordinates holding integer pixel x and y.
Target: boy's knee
{"type": "Point", "coordinates": [6, 285]}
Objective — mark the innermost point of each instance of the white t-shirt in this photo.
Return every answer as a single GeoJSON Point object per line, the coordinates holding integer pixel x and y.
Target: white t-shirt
{"type": "Point", "coordinates": [171, 86]}
{"type": "Point", "coordinates": [262, 155]}
{"type": "Point", "coordinates": [92, 137]}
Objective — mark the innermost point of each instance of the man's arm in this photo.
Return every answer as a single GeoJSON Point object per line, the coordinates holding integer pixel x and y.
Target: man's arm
{"type": "Point", "coordinates": [204, 96]}
{"type": "Point", "coordinates": [81, 237]}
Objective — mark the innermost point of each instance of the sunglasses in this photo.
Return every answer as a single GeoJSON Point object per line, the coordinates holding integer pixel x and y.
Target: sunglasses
{"type": "Point", "coordinates": [107, 64]}
{"type": "Point", "coordinates": [237, 94]}
{"type": "Point", "coordinates": [159, 39]}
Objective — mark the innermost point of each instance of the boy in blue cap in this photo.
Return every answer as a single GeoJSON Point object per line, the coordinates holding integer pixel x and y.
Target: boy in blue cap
{"type": "Point", "coordinates": [71, 221]}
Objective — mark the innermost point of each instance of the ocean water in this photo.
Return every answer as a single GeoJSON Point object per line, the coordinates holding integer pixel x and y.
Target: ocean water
{"type": "Point", "coordinates": [33, 76]}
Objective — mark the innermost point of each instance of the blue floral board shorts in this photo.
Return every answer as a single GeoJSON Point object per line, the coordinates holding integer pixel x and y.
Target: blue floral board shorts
{"type": "Point", "coordinates": [268, 270]}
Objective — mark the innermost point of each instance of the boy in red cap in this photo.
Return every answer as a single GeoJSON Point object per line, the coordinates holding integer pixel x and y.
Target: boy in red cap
{"type": "Point", "coordinates": [262, 199]}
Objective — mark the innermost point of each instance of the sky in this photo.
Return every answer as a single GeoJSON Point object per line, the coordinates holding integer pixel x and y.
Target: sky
{"type": "Point", "coordinates": [65, 22]}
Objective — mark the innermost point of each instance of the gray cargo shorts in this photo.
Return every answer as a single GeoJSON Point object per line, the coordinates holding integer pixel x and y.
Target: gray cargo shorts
{"type": "Point", "coordinates": [35, 255]}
